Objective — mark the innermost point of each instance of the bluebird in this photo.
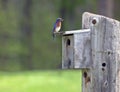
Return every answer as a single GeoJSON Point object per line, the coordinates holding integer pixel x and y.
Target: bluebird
{"type": "Point", "coordinates": [57, 26]}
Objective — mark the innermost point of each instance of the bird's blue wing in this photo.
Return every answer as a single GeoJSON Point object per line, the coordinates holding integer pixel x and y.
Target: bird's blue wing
{"type": "Point", "coordinates": [53, 34]}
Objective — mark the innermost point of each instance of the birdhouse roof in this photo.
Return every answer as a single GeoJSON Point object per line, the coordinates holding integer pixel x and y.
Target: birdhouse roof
{"type": "Point", "coordinates": [76, 31]}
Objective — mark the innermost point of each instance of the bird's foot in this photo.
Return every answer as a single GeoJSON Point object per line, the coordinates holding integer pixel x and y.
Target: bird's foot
{"type": "Point", "coordinates": [60, 33]}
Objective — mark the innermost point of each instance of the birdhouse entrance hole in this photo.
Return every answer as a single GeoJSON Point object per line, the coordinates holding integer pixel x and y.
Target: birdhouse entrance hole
{"type": "Point", "coordinates": [68, 42]}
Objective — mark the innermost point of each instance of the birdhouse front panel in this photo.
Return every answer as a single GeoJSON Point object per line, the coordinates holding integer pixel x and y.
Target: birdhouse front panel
{"type": "Point", "coordinates": [67, 51]}
{"type": "Point", "coordinates": [76, 49]}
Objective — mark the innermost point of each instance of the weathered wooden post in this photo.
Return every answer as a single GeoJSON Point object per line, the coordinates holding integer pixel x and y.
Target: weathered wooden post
{"type": "Point", "coordinates": [95, 50]}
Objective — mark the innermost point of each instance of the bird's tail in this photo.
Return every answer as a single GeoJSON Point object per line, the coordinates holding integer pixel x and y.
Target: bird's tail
{"type": "Point", "coordinates": [53, 35]}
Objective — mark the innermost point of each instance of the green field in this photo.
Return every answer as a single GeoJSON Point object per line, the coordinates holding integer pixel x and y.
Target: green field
{"type": "Point", "coordinates": [41, 81]}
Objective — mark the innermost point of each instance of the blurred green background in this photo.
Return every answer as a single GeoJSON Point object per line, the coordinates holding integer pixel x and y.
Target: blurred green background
{"type": "Point", "coordinates": [29, 57]}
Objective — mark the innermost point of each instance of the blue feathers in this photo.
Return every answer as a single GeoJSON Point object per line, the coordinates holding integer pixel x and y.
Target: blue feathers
{"type": "Point", "coordinates": [57, 27]}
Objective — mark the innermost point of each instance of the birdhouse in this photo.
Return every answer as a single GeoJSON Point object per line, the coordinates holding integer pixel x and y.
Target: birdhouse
{"type": "Point", "coordinates": [76, 49]}
{"type": "Point", "coordinates": [95, 50]}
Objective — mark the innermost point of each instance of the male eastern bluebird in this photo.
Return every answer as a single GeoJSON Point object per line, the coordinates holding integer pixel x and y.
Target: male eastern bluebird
{"type": "Point", "coordinates": [57, 26]}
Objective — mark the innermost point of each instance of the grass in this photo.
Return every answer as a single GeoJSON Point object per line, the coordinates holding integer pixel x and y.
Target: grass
{"type": "Point", "coordinates": [41, 81]}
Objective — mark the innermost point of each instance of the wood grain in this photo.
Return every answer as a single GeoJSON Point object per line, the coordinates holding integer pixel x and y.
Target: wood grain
{"type": "Point", "coordinates": [105, 45]}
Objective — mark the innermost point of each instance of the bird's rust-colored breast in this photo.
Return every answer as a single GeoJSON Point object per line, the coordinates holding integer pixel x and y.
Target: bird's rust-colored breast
{"type": "Point", "coordinates": [59, 24]}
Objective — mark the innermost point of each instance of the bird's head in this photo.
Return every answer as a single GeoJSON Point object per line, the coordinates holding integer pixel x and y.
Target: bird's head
{"type": "Point", "coordinates": [59, 19]}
